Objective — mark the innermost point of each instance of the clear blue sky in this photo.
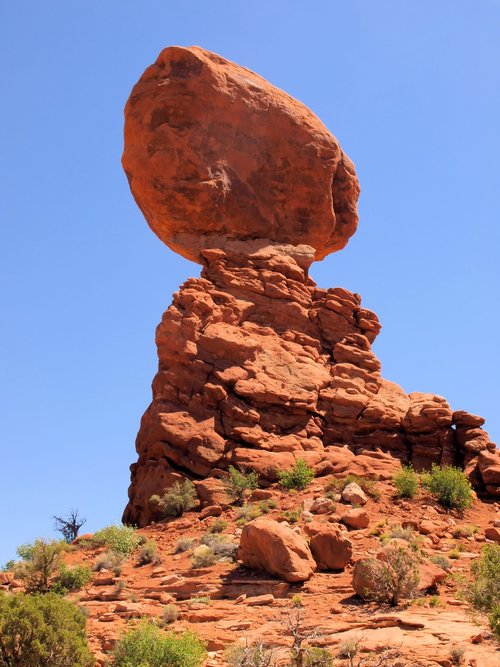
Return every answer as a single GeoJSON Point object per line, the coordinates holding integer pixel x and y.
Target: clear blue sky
{"type": "Point", "coordinates": [412, 91]}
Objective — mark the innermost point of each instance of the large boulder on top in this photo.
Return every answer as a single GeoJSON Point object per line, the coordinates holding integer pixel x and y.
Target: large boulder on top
{"type": "Point", "coordinates": [271, 546]}
{"type": "Point", "coordinates": [213, 151]}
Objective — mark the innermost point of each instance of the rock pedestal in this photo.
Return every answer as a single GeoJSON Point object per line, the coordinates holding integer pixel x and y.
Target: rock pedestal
{"type": "Point", "coordinates": [259, 367]}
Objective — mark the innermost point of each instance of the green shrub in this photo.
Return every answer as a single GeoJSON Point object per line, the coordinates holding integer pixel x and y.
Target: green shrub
{"type": "Point", "coordinates": [121, 539]}
{"type": "Point", "coordinates": [42, 631]}
{"type": "Point", "coordinates": [349, 649]}
{"type": "Point", "coordinates": [441, 561]}
{"type": "Point", "coordinates": [203, 556]}
{"type": "Point", "coordinates": [8, 566]}
{"type": "Point", "coordinates": [72, 578]}
{"type": "Point", "coordinates": [222, 545]}
{"type": "Point", "coordinates": [406, 482]}
{"type": "Point", "coordinates": [392, 579]}
{"type": "Point", "coordinates": [248, 513]}
{"type": "Point", "coordinates": [299, 477]}
{"type": "Point", "coordinates": [315, 656]}
{"type": "Point", "coordinates": [180, 498]}
{"type": "Point", "coordinates": [204, 599]}
{"type": "Point", "coordinates": [169, 614]}
{"type": "Point", "coordinates": [120, 586]}
{"type": "Point", "coordinates": [483, 593]}
{"type": "Point", "coordinates": [338, 484]}
{"type": "Point", "coordinates": [378, 528]}
{"type": "Point", "coordinates": [494, 619]}
{"type": "Point", "coordinates": [450, 486]}
{"type": "Point", "coordinates": [110, 560]}
{"type": "Point", "coordinates": [457, 654]}
{"type": "Point", "coordinates": [184, 544]}
{"type": "Point", "coordinates": [267, 505]}
{"type": "Point", "coordinates": [218, 526]}
{"type": "Point", "coordinates": [397, 532]}
{"type": "Point", "coordinates": [39, 563]}
{"type": "Point", "coordinates": [310, 656]}
{"type": "Point", "coordinates": [292, 516]}
{"type": "Point", "coordinates": [149, 646]}
{"type": "Point", "coordinates": [257, 654]}
{"type": "Point", "coordinates": [237, 484]}
{"type": "Point", "coordinates": [461, 532]}
{"type": "Point", "coordinates": [148, 553]}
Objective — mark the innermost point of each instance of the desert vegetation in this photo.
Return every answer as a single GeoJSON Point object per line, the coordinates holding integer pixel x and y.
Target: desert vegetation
{"type": "Point", "coordinates": [69, 526]}
{"type": "Point", "coordinates": [180, 498]}
{"type": "Point", "coordinates": [297, 478]}
{"type": "Point", "coordinates": [42, 631]}
{"type": "Point", "coordinates": [450, 486]}
{"type": "Point", "coordinates": [149, 646]}
{"type": "Point", "coordinates": [406, 482]}
{"type": "Point", "coordinates": [483, 591]}
{"type": "Point", "coordinates": [239, 484]}
{"type": "Point", "coordinates": [120, 539]}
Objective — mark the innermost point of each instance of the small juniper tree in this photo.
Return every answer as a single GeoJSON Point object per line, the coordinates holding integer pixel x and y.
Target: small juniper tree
{"type": "Point", "coordinates": [39, 563]}
{"type": "Point", "coordinates": [238, 484]}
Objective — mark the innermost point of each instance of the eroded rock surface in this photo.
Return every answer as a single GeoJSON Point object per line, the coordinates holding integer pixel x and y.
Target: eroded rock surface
{"type": "Point", "coordinates": [213, 151]}
{"type": "Point", "coordinates": [259, 367]}
{"type": "Point", "coordinates": [275, 548]}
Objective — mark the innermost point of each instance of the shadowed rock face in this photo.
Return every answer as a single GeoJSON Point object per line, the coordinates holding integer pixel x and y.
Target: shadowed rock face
{"type": "Point", "coordinates": [259, 367]}
{"type": "Point", "coordinates": [213, 151]}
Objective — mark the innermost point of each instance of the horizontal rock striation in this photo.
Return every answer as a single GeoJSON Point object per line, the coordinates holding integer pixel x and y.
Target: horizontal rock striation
{"type": "Point", "coordinates": [259, 367]}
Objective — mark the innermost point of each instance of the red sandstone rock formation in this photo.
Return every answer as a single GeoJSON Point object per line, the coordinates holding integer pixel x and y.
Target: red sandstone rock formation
{"type": "Point", "coordinates": [330, 546]}
{"type": "Point", "coordinates": [257, 365]}
{"type": "Point", "coordinates": [213, 151]}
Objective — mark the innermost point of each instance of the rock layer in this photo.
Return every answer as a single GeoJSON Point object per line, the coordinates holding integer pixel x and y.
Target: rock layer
{"type": "Point", "coordinates": [259, 367]}
{"type": "Point", "coordinates": [215, 152]}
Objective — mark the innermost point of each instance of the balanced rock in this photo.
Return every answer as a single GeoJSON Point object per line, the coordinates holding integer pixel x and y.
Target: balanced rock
{"type": "Point", "coordinates": [215, 152]}
{"type": "Point", "coordinates": [271, 546]}
{"type": "Point", "coordinates": [258, 366]}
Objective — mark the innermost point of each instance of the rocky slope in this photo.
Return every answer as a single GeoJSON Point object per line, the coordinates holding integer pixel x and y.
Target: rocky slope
{"type": "Point", "coordinates": [227, 603]}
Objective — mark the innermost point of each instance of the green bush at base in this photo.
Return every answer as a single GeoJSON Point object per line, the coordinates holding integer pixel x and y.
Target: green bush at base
{"type": "Point", "coordinates": [42, 631]}
{"type": "Point", "coordinates": [450, 487]}
{"type": "Point", "coordinates": [148, 646]}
